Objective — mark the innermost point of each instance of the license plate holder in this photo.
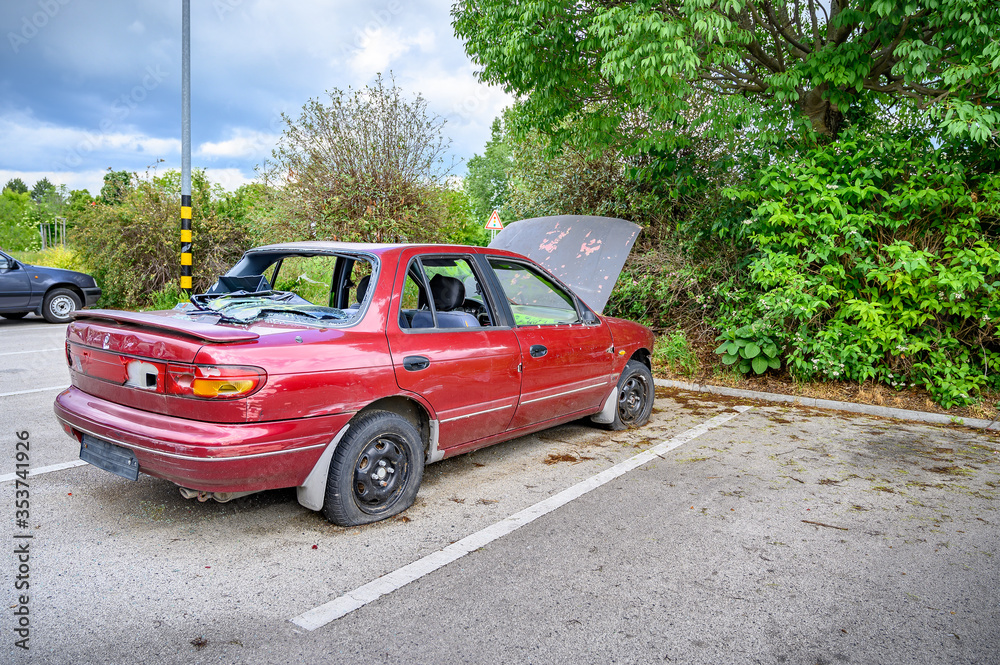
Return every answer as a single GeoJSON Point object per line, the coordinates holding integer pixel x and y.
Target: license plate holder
{"type": "Point", "coordinates": [108, 456]}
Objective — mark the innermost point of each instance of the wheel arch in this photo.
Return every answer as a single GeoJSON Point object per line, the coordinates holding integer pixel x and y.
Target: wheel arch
{"type": "Point", "coordinates": [644, 356]}
{"type": "Point", "coordinates": [312, 492]}
{"type": "Point", "coordinates": [409, 409]}
{"type": "Point", "coordinates": [69, 286]}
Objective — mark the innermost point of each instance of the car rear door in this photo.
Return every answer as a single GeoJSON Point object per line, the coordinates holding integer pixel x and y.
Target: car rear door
{"type": "Point", "coordinates": [566, 361]}
{"type": "Point", "coordinates": [457, 356]}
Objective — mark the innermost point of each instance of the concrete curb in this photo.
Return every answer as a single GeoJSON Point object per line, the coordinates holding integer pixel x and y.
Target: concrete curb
{"type": "Point", "coordinates": [867, 409]}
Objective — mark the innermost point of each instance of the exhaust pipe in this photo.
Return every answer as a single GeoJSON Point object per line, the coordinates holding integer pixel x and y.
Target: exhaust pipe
{"type": "Point", "coordinates": [221, 497]}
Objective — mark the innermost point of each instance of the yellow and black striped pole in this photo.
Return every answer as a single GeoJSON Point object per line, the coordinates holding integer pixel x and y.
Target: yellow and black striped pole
{"type": "Point", "coordinates": [186, 243]}
{"type": "Point", "coordinates": [186, 240]}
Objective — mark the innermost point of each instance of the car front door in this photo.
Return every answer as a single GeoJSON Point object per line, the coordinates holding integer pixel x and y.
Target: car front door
{"type": "Point", "coordinates": [15, 286]}
{"type": "Point", "coordinates": [449, 347]}
{"type": "Point", "coordinates": [566, 361]}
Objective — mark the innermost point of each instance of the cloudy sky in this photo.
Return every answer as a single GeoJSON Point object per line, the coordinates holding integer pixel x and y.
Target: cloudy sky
{"type": "Point", "coordinates": [87, 85]}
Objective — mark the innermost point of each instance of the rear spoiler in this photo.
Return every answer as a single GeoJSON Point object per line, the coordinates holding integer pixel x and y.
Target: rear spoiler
{"type": "Point", "coordinates": [174, 324]}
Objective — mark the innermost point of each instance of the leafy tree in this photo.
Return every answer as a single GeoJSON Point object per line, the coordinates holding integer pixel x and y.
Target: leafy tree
{"type": "Point", "coordinates": [78, 203]}
{"type": "Point", "coordinates": [16, 185]}
{"type": "Point", "coordinates": [365, 164]}
{"type": "Point", "coordinates": [41, 190]}
{"type": "Point", "coordinates": [463, 226]}
{"type": "Point", "coordinates": [638, 71]}
{"type": "Point", "coordinates": [488, 177]}
{"type": "Point", "coordinates": [117, 185]}
{"type": "Point", "coordinates": [18, 231]}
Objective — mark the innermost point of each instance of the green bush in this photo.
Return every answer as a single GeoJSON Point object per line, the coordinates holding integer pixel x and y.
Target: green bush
{"type": "Point", "coordinates": [877, 260]}
{"type": "Point", "coordinates": [54, 257]}
{"type": "Point", "coordinates": [132, 247]}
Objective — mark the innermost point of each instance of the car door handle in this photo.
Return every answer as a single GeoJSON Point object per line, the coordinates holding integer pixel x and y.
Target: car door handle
{"type": "Point", "coordinates": [537, 350]}
{"type": "Point", "coordinates": [415, 363]}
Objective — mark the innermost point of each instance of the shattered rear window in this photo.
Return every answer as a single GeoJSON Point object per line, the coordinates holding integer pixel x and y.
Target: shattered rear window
{"type": "Point", "coordinates": [318, 289]}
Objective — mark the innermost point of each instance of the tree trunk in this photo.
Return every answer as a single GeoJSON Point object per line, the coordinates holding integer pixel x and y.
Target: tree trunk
{"type": "Point", "coordinates": [825, 117]}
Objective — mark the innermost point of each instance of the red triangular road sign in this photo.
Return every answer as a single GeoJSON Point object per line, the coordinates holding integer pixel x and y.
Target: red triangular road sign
{"type": "Point", "coordinates": [494, 224]}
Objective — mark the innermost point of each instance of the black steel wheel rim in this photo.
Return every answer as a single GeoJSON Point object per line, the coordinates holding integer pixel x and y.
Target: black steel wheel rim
{"type": "Point", "coordinates": [381, 473]}
{"type": "Point", "coordinates": [632, 399]}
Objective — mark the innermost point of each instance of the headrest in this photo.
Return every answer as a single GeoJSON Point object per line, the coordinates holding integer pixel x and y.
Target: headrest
{"type": "Point", "coordinates": [448, 292]}
{"type": "Point", "coordinates": [363, 287]}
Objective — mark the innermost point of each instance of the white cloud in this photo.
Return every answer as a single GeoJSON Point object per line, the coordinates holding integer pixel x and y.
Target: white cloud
{"type": "Point", "coordinates": [243, 143]}
{"type": "Point", "coordinates": [382, 46]}
{"type": "Point", "coordinates": [229, 178]}
{"type": "Point", "coordinates": [99, 85]}
{"type": "Point", "coordinates": [32, 141]}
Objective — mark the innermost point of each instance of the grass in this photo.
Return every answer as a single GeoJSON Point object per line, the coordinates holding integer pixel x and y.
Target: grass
{"type": "Point", "coordinates": [673, 352]}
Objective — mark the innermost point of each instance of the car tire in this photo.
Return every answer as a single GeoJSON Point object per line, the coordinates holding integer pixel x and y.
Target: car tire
{"type": "Point", "coordinates": [376, 470]}
{"type": "Point", "coordinates": [635, 397]}
{"type": "Point", "coordinates": [59, 305]}
{"type": "Point", "coordinates": [14, 316]}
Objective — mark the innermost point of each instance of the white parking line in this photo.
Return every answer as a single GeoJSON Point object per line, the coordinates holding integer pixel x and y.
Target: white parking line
{"type": "Point", "coordinates": [44, 469]}
{"type": "Point", "coordinates": [48, 328]}
{"type": "Point", "coordinates": [352, 600]}
{"type": "Point", "coordinates": [15, 353]}
{"type": "Point", "coordinates": [33, 390]}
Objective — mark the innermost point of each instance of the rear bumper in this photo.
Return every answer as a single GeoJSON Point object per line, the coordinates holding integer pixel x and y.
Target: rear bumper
{"type": "Point", "coordinates": [216, 457]}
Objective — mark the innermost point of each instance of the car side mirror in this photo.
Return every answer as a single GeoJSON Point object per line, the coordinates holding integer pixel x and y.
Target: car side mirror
{"type": "Point", "coordinates": [589, 317]}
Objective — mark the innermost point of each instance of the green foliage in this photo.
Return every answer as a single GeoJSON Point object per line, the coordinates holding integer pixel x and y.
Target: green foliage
{"type": "Point", "coordinates": [544, 182]}
{"type": "Point", "coordinates": [877, 259]}
{"type": "Point", "coordinates": [16, 185]}
{"type": "Point", "coordinates": [462, 227]}
{"type": "Point", "coordinates": [78, 203]}
{"type": "Point", "coordinates": [41, 190]}
{"type": "Point", "coordinates": [117, 185]}
{"type": "Point", "coordinates": [167, 297]}
{"type": "Point", "coordinates": [646, 74]}
{"type": "Point", "coordinates": [660, 290]}
{"type": "Point", "coordinates": [18, 229]}
{"type": "Point", "coordinates": [132, 246]}
{"type": "Point", "coordinates": [674, 353]}
{"type": "Point", "coordinates": [487, 181]}
{"type": "Point", "coordinates": [747, 348]}
{"type": "Point", "coordinates": [363, 165]}
{"type": "Point", "coordinates": [54, 257]}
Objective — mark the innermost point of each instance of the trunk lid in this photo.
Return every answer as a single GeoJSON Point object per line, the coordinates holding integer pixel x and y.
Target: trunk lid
{"type": "Point", "coordinates": [125, 357]}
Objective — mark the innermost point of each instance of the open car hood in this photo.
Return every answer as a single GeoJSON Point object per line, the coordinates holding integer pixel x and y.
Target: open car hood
{"type": "Point", "coordinates": [587, 253]}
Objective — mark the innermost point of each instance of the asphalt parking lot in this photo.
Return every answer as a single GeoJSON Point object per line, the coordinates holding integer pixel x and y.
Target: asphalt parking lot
{"type": "Point", "coordinates": [781, 535]}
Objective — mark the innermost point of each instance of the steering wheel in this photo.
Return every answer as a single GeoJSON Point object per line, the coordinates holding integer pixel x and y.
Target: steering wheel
{"type": "Point", "coordinates": [478, 310]}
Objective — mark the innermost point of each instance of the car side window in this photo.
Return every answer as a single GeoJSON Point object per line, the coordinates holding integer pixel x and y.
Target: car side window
{"type": "Point", "coordinates": [534, 299]}
{"type": "Point", "coordinates": [444, 293]}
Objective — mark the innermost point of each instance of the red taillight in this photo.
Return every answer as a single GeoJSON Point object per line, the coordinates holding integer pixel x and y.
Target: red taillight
{"type": "Point", "coordinates": [213, 381]}
{"type": "Point", "coordinates": [178, 379]}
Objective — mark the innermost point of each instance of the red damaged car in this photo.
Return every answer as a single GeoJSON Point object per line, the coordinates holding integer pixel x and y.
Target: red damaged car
{"type": "Point", "coordinates": [342, 369]}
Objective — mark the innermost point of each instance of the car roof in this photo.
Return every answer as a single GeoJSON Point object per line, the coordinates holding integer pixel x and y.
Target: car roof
{"type": "Point", "coordinates": [374, 248]}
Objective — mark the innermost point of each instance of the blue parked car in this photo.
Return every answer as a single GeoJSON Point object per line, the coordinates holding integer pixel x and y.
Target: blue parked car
{"type": "Point", "coordinates": [52, 292]}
